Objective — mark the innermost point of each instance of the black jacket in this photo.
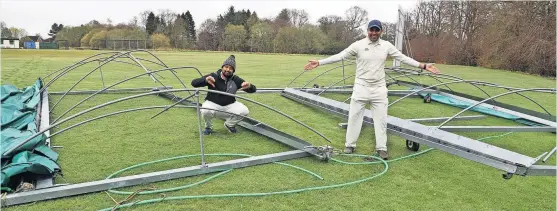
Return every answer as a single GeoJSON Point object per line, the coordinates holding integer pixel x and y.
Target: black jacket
{"type": "Point", "coordinates": [229, 86]}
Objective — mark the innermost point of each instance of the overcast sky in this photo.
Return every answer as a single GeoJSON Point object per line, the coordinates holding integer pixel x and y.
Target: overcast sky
{"type": "Point", "coordinates": [38, 16]}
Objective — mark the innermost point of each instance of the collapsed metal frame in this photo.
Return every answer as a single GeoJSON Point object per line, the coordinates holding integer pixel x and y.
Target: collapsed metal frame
{"type": "Point", "coordinates": [439, 137]}
{"type": "Point", "coordinates": [50, 191]}
{"type": "Point", "coordinates": [511, 163]}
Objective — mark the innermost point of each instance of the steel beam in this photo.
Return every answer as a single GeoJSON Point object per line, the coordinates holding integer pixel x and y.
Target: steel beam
{"type": "Point", "coordinates": [480, 128]}
{"type": "Point", "coordinates": [406, 92]}
{"type": "Point", "coordinates": [312, 90]}
{"type": "Point", "coordinates": [452, 143]}
{"type": "Point", "coordinates": [304, 149]}
{"type": "Point", "coordinates": [496, 129]}
{"type": "Point", "coordinates": [124, 90]}
{"type": "Point", "coordinates": [334, 89]}
{"type": "Point", "coordinates": [44, 181]}
{"type": "Point", "coordinates": [261, 129]}
{"type": "Point", "coordinates": [435, 119]}
{"type": "Point", "coordinates": [277, 135]}
{"type": "Point", "coordinates": [442, 119]}
{"type": "Point", "coordinates": [539, 170]}
{"type": "Point", "coordinates": [101, 185]}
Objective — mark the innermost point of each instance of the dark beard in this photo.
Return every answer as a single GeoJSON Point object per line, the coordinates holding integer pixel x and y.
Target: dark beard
{"type": "Point", "coordinates": [227, 74]}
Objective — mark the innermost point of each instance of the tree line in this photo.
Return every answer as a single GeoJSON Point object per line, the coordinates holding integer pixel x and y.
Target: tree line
{"type": "Point", "coordinates": [288, 32]}
{"type": "Point", "coordinates": [518, 36]}
{"type": "Point", "coordinates": [234, 30]}
{"type": "Point", "coordinates": [513, 35]}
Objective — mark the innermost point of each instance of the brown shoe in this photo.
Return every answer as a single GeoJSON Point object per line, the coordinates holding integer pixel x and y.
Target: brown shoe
{"type": "Point", "coordinates": [383, 154]}
{"type": "Point", "coordinates": [349, 150]}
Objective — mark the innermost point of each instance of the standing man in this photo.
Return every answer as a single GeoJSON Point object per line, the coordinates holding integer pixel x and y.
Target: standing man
{"type": "Point", "coordinates": [223, 80]}
{"type": "Point", "coordinates": [369, 85]}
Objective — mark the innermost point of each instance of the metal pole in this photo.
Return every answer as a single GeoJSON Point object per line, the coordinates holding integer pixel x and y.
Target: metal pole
{"type": "Point", "coordinates": [344, 81]}
{"type": "Point", "coordinates": [399, 37]}
{"type": "Point", "coordinates": [7, 152]}
{"type": "Point", "coordinates": [549, 154]}
{"type": "Point", "coordinates": [313, 79]}
{"type": "Point", "coordinates": [200, 132]}
{"type": "Point", "coordinates": [122, 81]}
{"type": "Point", "coordinates": [100, 70]}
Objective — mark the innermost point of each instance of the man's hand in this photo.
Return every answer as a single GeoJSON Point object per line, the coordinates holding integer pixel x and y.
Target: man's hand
{"type": "Point", "coordinates": [311, 65]}
{"type": "Point", "coordinates": [432, 69]}
{"type": "Point", "coordinates": [246, 85]}
{"type": "Point", "coordinates": [210, 80]}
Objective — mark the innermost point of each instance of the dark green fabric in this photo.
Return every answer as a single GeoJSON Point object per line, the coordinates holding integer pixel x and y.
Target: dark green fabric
{"type": "Point", "coordinates": [47, 152]}
{"type": "Point", "coordinates": [28, 162]}
{"type": "Point", "coordinates": [8, 90]}
{"type": "Point", "coordinates": [16, 119]}
{"type": "Point", "coordinates": [12, 136]}
{"type": "Point", "coordinates": [35, 95]}
{"type": "Point", "coordinates": [19, 110]}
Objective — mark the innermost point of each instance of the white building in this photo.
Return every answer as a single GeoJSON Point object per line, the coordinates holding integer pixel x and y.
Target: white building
{"type": "Point", "coordinates": [10, 43]}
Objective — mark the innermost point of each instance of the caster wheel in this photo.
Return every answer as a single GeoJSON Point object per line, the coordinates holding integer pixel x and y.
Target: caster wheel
{"type": "Point", "coordinates": [507, 176]}
{"type": "Point", "coordinates": [427, 98]}
{"type": "Point", "coordinates": [412, 145]}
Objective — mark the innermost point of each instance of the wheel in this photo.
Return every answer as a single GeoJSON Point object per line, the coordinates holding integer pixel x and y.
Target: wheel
{"type": "Point", "coordinates": [507, 176]}
{"type": "Point", "coordinates": [427, 98]}
{"type": "Point", "coordinates": [412, 145]}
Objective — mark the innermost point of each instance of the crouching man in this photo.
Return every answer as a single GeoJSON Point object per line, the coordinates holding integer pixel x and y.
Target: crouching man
{"type": "Point", "coordinates": [223, 80]}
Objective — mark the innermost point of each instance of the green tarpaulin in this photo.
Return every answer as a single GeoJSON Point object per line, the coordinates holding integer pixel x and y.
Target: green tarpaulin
{"type": "Point", "coordinates": [18, 123]}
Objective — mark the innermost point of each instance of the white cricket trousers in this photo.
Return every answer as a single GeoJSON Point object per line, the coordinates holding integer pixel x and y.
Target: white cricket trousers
{"type": "Point", "coordinates": [231, 120]}
{"type": "Point", "coordinates": [376, 96]}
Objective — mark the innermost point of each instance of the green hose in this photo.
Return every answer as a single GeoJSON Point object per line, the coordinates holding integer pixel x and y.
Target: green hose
{"type": "Point", "coordinates": [193, 184]}
{"type": "Point", "coordinates": [171, 189]}
{"type": "Point", "coordinates": [253, 194]}
{"type": "Point", "coordinates": [385, 163]}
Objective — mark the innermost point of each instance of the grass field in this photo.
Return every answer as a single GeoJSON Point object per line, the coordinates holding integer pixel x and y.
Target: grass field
{"type": "Point", "coordinates": [432, 181]}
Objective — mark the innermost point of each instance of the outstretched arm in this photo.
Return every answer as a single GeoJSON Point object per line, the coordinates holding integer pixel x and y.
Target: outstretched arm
{"type": "Point", "coordinates": [395, 53]}
{"type": "Point", "coordinates": [350, 51]}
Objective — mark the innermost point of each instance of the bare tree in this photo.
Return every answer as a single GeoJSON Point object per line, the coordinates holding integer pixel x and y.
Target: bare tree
{"type": "Point", "coordinates": [143, 17]}
{"type": "Point", "coordinates": [355, 17]}
{"type": "Point", "coordinates": [18, 32]}
{"type": "Point", "coordinates": [177, 33]}
{"type": "Point", "coordinates": [168, 16]}
{"type": "Point", "coordinates": [208, 37]}
{"type": "Point", "coordinates": [389, 32]}
{"type": "Point", "coordinates": [298, 17]}
{"type": "Point", "coordinates": [134, 22]}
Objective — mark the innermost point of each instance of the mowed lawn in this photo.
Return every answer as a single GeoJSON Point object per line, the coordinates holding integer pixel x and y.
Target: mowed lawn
{"type": "Point", "coordinates": [433, 181]}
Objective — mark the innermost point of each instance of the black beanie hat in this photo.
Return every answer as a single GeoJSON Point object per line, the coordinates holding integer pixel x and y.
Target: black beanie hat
{"type": "Point", "coordinates": [230, 61]}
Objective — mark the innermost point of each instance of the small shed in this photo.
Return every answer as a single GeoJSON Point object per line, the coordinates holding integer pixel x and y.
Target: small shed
{"type": "Point", "coordinates": [34, 42]}
{"type": "Point", "coordinates": [10, 42]}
